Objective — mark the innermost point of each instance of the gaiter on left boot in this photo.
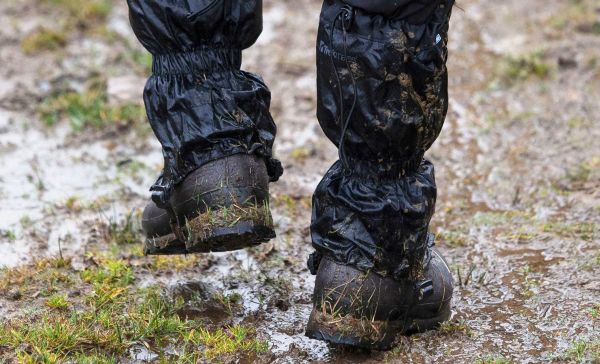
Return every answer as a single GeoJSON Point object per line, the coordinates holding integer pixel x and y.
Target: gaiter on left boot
{"type": "Point", "coordinates": [213, 122]}
{"type": "Point", "coordinates": [382, 99]}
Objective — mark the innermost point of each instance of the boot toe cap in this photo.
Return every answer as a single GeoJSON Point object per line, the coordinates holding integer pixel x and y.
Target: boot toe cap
{"type": "Point", "coordinates": [155, 221]}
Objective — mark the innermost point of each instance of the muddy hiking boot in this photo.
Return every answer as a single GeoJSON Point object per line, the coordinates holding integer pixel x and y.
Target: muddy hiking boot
{"type": "Point", "coordinates": [382, 86]}
{"type": "Point", "coordinates": [369, 311]}
{"type": "Point", "coordinates": [213, 122]}
{"type": "Point", "coordinates": [221, 206]}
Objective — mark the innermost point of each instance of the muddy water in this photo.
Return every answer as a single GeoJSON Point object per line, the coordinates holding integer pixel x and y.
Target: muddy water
{"type": "Point", "coordinates": [515, 213]}
{"type": "Point", "coordinates": [45, 171]}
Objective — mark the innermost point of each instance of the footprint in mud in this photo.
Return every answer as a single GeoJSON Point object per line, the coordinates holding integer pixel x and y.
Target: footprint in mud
{"type": "Point", "coordinates": [196, 300]}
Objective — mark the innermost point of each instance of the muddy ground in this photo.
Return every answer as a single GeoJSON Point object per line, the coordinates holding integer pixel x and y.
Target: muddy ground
{"type": "Point", "coordinates": [518, 172]}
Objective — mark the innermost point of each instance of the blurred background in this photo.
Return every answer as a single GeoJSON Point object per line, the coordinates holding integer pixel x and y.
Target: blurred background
{"type": "Point", "coordinates": [517, 165]}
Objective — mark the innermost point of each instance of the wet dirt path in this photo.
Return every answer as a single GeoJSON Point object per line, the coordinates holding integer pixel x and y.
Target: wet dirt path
{"type": "Point", "coordinates": [517, 167]}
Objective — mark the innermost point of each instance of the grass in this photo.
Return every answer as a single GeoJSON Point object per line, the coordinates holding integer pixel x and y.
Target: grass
{"type": "Point", "coordinates": [230, 301]}
{"type": "Point", "coordinates": [578, 176]}
{"type": "Point", "coordinates": [522, 67]}
{"type": "Point", "coordinates": [595, 311]}
{"type": "Point", "coordinates": [229, 216]}
{"type": "Point", "coordinates": [109, 316]}
{"type": "Point", "coordinates": [583, 350]}
{"type": "Point", "coordinates": [574, 13]}
{"type": "Point", "coordinates": [83, 15]}
{"type": "Point", "coordinates": [140, 59]}
{"type": "Point", "coordinates": [8, 234]}
{"type": "Point", "coordinates": [45, 272]}
{"type": "Point", "coordinates": [125, 231]}
{"type": "Point", "coordinates": [453, 327]}
{"type": "Point", "coordinates": [293, 204]}
{"type": "Point", "coordinates": [176, 263]}
{"type": "Point", "coordinates": [583, 230]}
{"type": "Point", "coordinates": [58, 301]}
{"type": "Point", "coordinates": [494, 360]}
{"type": "Point", "coordinates": [452, 239]}
{"type": "Point", "coordinates": [43, 39]}
{"type": "Point", "coordinates": [301, 154]}
{"type": "Point", "coordinates": [525, 227]}
{"type": "Point", "coordinates": [88, 109]}
{"type": "Point", "coordinates": [100, 312]}
{"type": "Point", "coordinates": [225, 342]}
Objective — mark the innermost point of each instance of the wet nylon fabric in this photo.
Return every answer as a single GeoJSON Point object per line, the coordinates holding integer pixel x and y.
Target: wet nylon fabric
{"type": "Point", "coordinates": [201, 106]}
{"type": "Point", "coordinates": [413, 11]}
{"type": "Point", "coordinates": [382, 99]}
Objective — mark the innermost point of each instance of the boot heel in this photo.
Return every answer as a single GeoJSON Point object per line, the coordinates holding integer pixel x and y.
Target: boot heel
{"type": "Point", "coordinates": [351, 331]}
{"type": "Point", "coordinates": [230, 228]}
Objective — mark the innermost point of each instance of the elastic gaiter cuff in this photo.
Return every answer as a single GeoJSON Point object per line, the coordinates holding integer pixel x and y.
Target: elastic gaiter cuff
{"type": "Point", "coordinates": [200, 104]}
{"type": "Point", "coordinates": [382, 99]}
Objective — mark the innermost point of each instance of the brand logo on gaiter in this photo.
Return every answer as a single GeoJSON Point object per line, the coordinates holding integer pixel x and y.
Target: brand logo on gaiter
{"type": "Point", "coordinates": [324, 49]}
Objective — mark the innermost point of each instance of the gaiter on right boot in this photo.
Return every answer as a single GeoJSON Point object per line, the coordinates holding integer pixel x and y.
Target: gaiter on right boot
{"type": "Point", "coordinates": [382, 99]}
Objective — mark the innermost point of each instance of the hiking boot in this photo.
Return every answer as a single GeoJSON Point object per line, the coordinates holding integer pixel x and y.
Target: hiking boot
{"type": "Point", "coordinates": [368, 311]}
{"type": "Point", "coordinates": [221, 206]}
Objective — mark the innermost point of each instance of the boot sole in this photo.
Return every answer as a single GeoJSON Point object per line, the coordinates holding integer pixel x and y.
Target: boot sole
{"type": "Point", "coordinates": [240, 235]}
{"type": "Point", "coordinates": [164, 245]}
{"type": "Point", "coordinates": [381, 335]}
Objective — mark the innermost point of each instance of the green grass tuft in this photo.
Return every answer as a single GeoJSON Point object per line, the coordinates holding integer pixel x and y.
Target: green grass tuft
{"type": "Point", "coordinates": [83, 13]}
{"type": "Point", "coordinates": [522, 67]}
{"type": "Point", "coordinates": [43, 40]}
{"type": "Point", "coordinates": [111, 317]}
{"type": "Point", "coordinates": [88, 109]}
{"type": "Point", "coordinates": [452, 327]}
{"type": "Point", "coordinates": [58, 301]}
